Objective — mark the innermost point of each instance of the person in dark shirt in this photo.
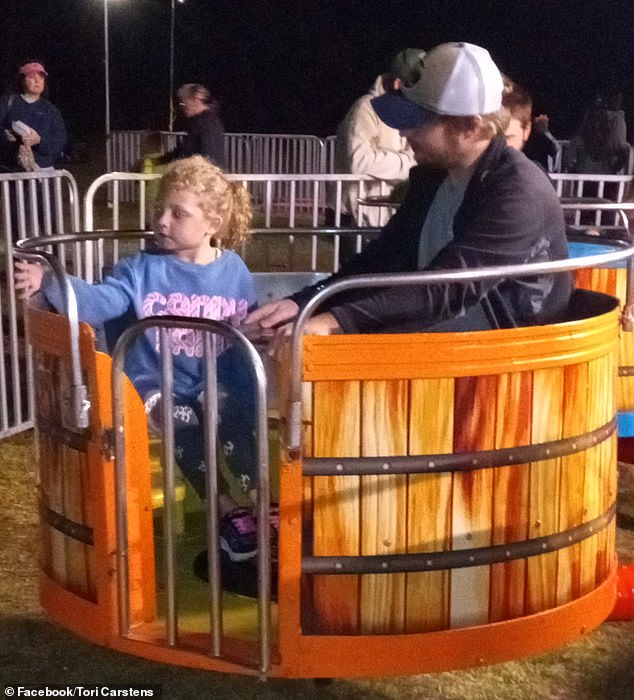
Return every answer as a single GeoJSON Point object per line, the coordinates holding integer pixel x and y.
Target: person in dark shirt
{"type": "Point", "coordinates": [600, 144]}
{"type": "Point", "coordinates": [472, 202]}
{"type": "Point", "coordinates": [525, 133]}
{"type": "Point", "coordinates": [205, 132]}
{"type": "Point", "coordinates": [32, 131]}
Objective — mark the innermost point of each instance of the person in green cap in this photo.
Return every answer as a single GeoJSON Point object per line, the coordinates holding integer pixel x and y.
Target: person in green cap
{"type": "Point", "coordinates": [367, 146]}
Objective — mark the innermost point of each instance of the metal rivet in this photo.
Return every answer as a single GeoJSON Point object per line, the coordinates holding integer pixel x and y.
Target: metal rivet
{"type": "Point", "coordinates": [339, 467]}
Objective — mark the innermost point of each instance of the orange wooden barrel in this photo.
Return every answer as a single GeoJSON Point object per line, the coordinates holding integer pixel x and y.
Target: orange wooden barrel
{"type": "Point", "coordinates": [455, 482]}
{"type": "Point", "coordinates": [453, 505]}
{"type": "Point", "coordinates": [613, 281]}
{"type": "Point", "coordinates": [76, 488]}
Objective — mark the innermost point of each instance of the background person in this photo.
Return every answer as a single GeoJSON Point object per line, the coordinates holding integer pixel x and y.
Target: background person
{"type": "Point", "coordinates": [600, 144]}
{"type": "Point", "coordinates": [205, 132]}
{"type": "Point", "coordinates": [528, 135]}
{"type": "Point", "coordinates": [472, 202]}
{"type": "Point", "coordinates": [46, 135]}
{"type": "Point", "coordinates": [365, 145]}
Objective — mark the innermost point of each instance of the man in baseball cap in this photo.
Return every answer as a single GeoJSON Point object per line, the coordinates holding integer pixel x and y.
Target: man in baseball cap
{"type": "Point", "coordinates": [456, 79]}
{"type": "Point", "coordinates": [472, 201]}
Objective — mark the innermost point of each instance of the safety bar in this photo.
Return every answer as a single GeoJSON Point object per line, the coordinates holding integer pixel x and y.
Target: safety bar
{"type": "Point", "coordinates": [210, 330]}
{"type": "Point", "coordinates": [423, 278]}
{"type": "Point", "coordinates": [80, 404]}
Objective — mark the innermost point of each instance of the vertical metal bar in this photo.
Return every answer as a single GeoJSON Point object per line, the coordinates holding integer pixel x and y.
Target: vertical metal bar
{"type": "Point", "coordinates": [167, 419]}
{"type": "Point", "coordinates": [33, 208]}
{"type": "Point", "coordinates": [121, 492]}
{"type": "Point", "coordinates": [263, 506]}
{"type": "Point", "coordinates": [211, 486]}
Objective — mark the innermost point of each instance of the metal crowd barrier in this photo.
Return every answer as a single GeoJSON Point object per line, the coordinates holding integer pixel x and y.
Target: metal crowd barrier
{"type": "Point", "coordinates": [244, 153]}
{"type": "Point", "coordinates": [577, 185]}
{"type": "Point", "coordinates": [304, 197]}
{"type": "Point", "coordinates": [31, 204]}
{"type": "Point", "coordinates": [48, 203]}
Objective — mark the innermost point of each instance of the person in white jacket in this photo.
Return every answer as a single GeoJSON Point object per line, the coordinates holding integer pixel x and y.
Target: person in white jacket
{"type": "Point", "coordinates": [367, 146]}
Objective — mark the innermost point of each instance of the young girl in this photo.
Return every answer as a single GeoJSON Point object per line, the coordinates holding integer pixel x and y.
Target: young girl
{"type": "Point", "coordinates": [199, 219]}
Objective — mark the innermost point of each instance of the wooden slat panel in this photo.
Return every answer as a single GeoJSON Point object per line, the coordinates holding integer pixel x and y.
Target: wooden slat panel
{"type": "Point", "coordinates": [77, 554]}
{"type": "Point", "coordinates": [472, 514]}
{"type": "Point", "coordinates": [384, 426]}
{"type": "Point", "coordinates": [578, 418]}
{"type": "Point", "coordinates": [595, 474]}
{"type": "Point", "coordinates": [598, 279]}
{"type": "Point", "coordinates": [51, 555]}
{"type": "Point", "coordinates": [429, 502]}
{"type": "Point", "coordinates": [336, 502]}
{"type": "Point", "coordinates": [510, 488]}
{"type": "Point", "coordinates": [608, 475]}
{"type": "Point", "coordinates": [548, 387]}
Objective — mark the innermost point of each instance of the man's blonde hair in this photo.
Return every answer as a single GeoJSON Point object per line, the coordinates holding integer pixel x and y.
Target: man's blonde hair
{"type": "Point", "coordinates": [218, 196]}
{"type": "Point", "coordinates": [493, 124]}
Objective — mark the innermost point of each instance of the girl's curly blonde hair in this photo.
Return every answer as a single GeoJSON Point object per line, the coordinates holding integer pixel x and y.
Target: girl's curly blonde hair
{"type": "Point", "coordinates": [218, 195]}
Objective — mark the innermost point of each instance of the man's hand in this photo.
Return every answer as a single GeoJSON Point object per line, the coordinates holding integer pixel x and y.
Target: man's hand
{"type": "Point", "coordinates": [322, 324]}
{"type": "Point", "coordinates": [273, 314]}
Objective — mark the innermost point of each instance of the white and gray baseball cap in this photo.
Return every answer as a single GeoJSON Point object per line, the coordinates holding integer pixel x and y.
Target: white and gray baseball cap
{"type": "Point", "coordinates": [457, 79]}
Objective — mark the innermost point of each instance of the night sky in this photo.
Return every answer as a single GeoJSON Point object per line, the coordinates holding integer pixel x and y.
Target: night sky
{"type": "Point", "coordinates": [294, 66]}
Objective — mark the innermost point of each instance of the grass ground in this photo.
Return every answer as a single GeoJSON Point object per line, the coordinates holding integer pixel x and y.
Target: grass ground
{"type": "Point", "coordinates": [35, 651]}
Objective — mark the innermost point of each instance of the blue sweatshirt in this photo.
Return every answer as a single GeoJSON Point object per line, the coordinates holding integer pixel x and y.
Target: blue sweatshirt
{"type": "Point", "coordinates": [158, 284]}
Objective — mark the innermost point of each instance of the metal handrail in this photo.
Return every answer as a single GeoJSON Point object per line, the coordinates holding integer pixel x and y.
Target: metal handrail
{"type": "Point", "coordinates": [417, 278]}
{"type": "Point", "coordinates": [226, 331]}
{"type": "Point", "coordinates": [80, 404]}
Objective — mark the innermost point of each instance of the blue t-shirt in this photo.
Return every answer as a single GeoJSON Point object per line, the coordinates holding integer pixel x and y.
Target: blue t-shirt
{"type": "Point", "coordinates": [158, 284]}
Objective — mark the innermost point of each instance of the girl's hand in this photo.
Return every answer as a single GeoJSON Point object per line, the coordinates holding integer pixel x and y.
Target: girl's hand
{"type": "Point", "coordinates": [27, 278]}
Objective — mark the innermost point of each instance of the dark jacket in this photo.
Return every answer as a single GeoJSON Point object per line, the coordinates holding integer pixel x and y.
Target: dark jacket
{"type": "Point", "coordinates": [40, 115]}
{"type": "Point", "coordinates": [205, 136]}
{"type": "Point", "coordinates": [510, 214]}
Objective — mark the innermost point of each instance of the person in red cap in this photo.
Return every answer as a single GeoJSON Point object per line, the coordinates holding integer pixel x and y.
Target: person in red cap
{"type": "Point", "coordinates": [28, 119]}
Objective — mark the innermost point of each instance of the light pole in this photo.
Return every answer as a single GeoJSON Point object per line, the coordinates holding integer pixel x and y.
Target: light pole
{"type": "Point", "coordinates": [171, 86]}
{"type": "Point", "coordinates": [106, 63]}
